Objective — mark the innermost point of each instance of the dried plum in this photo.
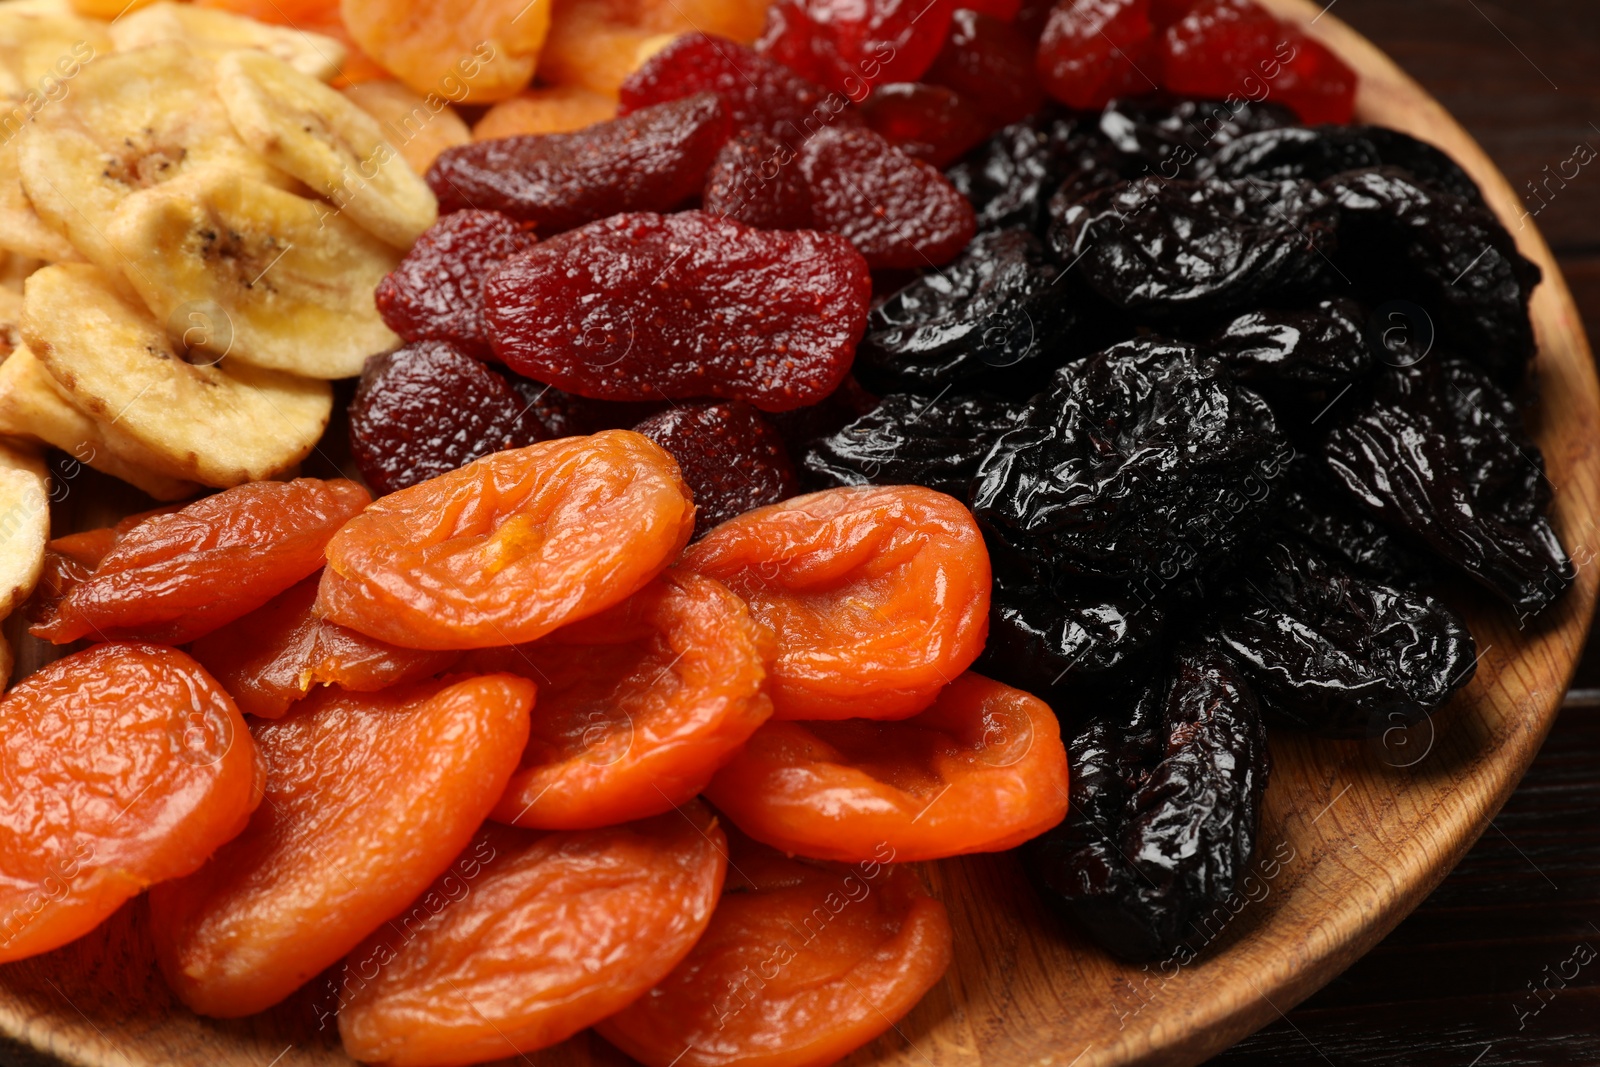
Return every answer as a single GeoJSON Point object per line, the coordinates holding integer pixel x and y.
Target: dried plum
{"type": "Point", "coordinates": [1306, 355]}
{"type": "Point", "coordinates": [1162, 138]}
{"type": "Point", "coordinates": [1043, 642]}
{"type": "Point", "coordinates": [731, 458]}
{"type": "Point", "coordinates": [1439, 452]}
{"type": "Point", "coordinates": [911, 440]}
{"type": "Point", "coordinates": [1009, 178]}
{"type": "Point", "coordinates": [1320, 152]}
{"type": "Point", "coordinates": [1317, 511]}
{"type": "Point", "coordinates": [1336, 654]}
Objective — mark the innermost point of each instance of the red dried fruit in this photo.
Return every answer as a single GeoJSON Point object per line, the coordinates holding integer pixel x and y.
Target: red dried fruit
{"type": "Point", "coordinates": [564, 414]}
{"type": "Point", "coordinates": [1094, 50]}
{"type": "Point", "coordinates": [754, 181]}
{"type": "Point", "coordinates": [1232, 48]}
{"type": "Point", "coordinates": [426, 409]}
{"type": "Point", "coordinates": [643, 307]}
{"type": "Point", "coordinates": [757, 91]}
{"type": "Point", "coordinates": [436, 293]}
{"type": "Point", "coordinates": [927, 122]}
{"type": "Point", "coordinates": [733, 459]}
{"type": "Point", "coordinates": [177, 576]}
{"type": "Point", "coordinates": [652, 160]}
{"type": "Point", "coordinates": [852, 45]}
{"type": "Point", "coordinates": [1004, 10]}
{"type": "Point", "coordinates": [897, 211]}
{"type": "Point", "coordinates": [1164, 13]}
{"type": "Point", "coordinates": [991, 64]}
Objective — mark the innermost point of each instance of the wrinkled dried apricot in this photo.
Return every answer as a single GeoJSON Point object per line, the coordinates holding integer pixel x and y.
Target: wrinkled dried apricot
{"type": "Point", "coordinates": [510, 546]}
{"type": "Point", "coordinates": [596, 44]}
{"type": "Point", "coordinates": [369, 798]}
{"type": "Point", "coordinates": [802, 963]}
{"type": "Point", "coordinates": [476, 53]}
{"type": "Point", "coordinates": [981, 770]}
{"type": "Point", "coordinates": [638, 706]}
{"type": "Point", "coordinates": [654, 307]}
{"type": "Point", "coordinates": [123, 765]}
{"type": "Point", "coordinates": [879, 596]}
{"type": "Point", "coordinates": [70, 560]}
{"type": "Point", "coordinates": [546, 109]}
{"type": "Point", "coordinates": [273, 656]}
{"type": "Point", "coordinates": [177, 576]}
{"type": "Point", "coordinates": [554, 933]}
{"type": "Point", "coordinates": [733, 459]}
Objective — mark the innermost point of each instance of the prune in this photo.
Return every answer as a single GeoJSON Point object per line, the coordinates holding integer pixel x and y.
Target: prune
{"type": "Point", "coordinates": [652, 160]}
{"type": "Point", "coordinates": [753, 181]}
{"type": "Point", "coordinates": [1140, 464]}
{"type": "Point", "coordinates": [1009, 178]}
{"type": "Point", "coordinates": [650, 307]}
{"type": "Point", "coordinates": [913, 440]}
{"type": "Point", "coordinates": [1316, 510]}
{"type": "Point", "coordinates": [425, 409]}
{"type": "Point", "coordinates": [1042, 641]}
{"type": "Point", "coordinates": [1439, 452]}
{"type": "Point", "coordinates": [436, 293]}
{"type": "Point", "coordinates": [927, 122]}
{"type": "Point", "coordinates": [1094, 50]}
{"type": "Point", "coordinates": [731, 457]}
{"type": "Point", "coordinates": [993, 307]}
{"type": "Point", "coordinates": [1334, 653]}
{"type": "Point", "coordinates": [1195, 248]}
{"type": "Point", "coordinates": [1318, 153]}
{"type": "Point", "coordinates": [1304, 355]}
{"type": "Point", "coordinates": [1163, 136]}
{"type": "Point", "coordinates": [849, 46]}
{"type": "Point", "coordinates": [757, 91]}
{"type": "Point", "coordinates": [1165, 810]}
{"type": "Point", "coordinates": [897, 211]}
{"type": "Point", "coordinates": [1401, 239]}
{"type": "Point", "coordinates": [990, 63]}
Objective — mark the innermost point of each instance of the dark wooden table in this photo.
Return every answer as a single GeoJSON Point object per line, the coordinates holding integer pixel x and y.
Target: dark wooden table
{"type": "Point", "coordinates": [1501, 965]}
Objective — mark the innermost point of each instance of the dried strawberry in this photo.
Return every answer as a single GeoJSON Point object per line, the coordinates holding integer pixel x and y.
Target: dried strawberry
{"type": "Point", "coordinates": [991, 64]}
{"type": "Point", "coordinates": [644, 306]}
{"type": "Point", "coordinates": [1004, 10]}
{"type": "Point", "coordinates": [436, 293]}
{"type": "Point", "coordinates": [755, 90]}
{"type": "Point", "coordinates": [1094, 50]}
{"type": "Point", "coordinates": [732, 458]}
{"type": "Point", "coordinates": [851, 45]}
{"type": "Point", "coordinates": [1164, 13]}
{"type": "Point", "coordinates": [898, 211]}
{"type": "Point", "coordinates": [828, 416]}
{"type": "Point", "coordinates": [652, 160]}
{"type": "Point", "coordinates": [425, 410]}
{"type": "Point", "coordinates": [564, 414]}
{"type": "Point", "coordinates": [754, 180]}
{"type": "Point", "coordinates": [927, 122]}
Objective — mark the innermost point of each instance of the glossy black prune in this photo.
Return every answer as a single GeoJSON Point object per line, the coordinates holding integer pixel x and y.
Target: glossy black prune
{"type": "Point", "coordinates": [1320, 152]}
{"type": "Point", "coordinates": [1439, 451]}
{"type": "Point", "coordinates": [1008, 178]}
{"type": "Point", "coordinates": [1306, 355]}
{"type": "Point", "coordinates": [1336, 654]}
{"type": "Point", "coordinates": [1166, 137]}
{"type": "Point", "coordinates": [1043, 642]}
{"type": "Point", "coordinates": [1190, 249]}
{"type": "Point", "coordinates": [1140, 464]}
{"type": "Point", "coordinates": [1316, 510]}
{"type": "Point", "coordinates": [1164, 812]}
{"type": "Point", "coordinates": [1400, 239]}
{"type": "Point", "coordinates": [913, 440]}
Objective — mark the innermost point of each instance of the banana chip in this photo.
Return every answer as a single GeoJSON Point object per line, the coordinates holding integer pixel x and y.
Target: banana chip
{"type": "Point", "coordinates": [14, 270]}
{"type": "Point", "coordinates": [41, 50]}
{"type": "Point", "coordinates": [314, 133]}
{"type": "Point", "coordinates": [10, 321]}
{"type": "Point", "coordinates": [24, 523]}
{"type": "Point", "coordinates": [32, 407]}
{"type": "Point", "coordinates": [133, 120]}
{"type": "Point", "coordinates": [419, 127]}
{"type": "Point", "coordinates": [213, 34]}
{"type": "Point", "coordinates": [237, 268]}
{"type": "Point", "coordinates": [22, 231]}
{"type": "Point", "coordinates": [219, 426]}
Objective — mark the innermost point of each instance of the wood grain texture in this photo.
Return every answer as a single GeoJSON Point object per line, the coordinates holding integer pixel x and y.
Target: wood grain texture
{"type": "Point", "coordinates": [1359, 841]}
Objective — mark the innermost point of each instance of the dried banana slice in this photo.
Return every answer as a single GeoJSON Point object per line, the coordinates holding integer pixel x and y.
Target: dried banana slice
{"type": "Point", "coordinates": [314, 133]}
{"type": "Point", "coordinates": [10, 321]}
{"type": "Point", "coordinates": [32, 407]}
{"type": "Point", "coordinates": [24, 523]}
{"type": "Point", "coordinates": [213, 424]}
{"type": "Point", "coordinates": [22, 231]}
{"type": "Point", "coordinates": [41, 50]}
{"type": "Point", "coordinates": [419, 127]}
{"type": "Point", "coordinates": [274, 279]}
{"type": "Point", "coordinates": [14, 270]}
{"type": "Point", "coordinates": [133, 120]}
{"type": "Point", "coordinates": [213, 34]}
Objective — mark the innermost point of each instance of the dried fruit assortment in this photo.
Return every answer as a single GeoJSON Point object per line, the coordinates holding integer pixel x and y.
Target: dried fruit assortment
{"type": "Point", "coordinates": [771, 415]}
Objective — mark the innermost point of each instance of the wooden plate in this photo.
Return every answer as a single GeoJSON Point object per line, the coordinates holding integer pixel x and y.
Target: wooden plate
{"type": "Point", "coordinates": [1354, 835]}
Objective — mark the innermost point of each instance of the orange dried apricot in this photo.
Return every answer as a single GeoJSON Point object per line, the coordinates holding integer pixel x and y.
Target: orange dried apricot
{"type": "Point", "coordinates": [272, 657]}
{"type": "Point", "coordinates": [802, 963]}
{"type": "Point", "coordinates": [879, 596]}
{"type": "Point", "coordinates": [69, 560]}
{"type": "Point", "coordinates": [369, 798]}
{"type": "Point", "coordinates": [638, 706]}
{"type": "Point", "coordinates": [177, 576]}
{"type": "Point", "coordinates": [511, 546]}
{"type": "Point", "coordinates": [596, 44]}
{"type": "Point", "coordinates": [981, 770]}
{"type": "Point", "coordinates": [313, 16]}
{"type": "Point", "coordinates": [473, 53]}
{"type": "Point", "coordinates": [553, 109]}
{"type": "Point", "coordinates": [120, 766]}
{"type": "Point", "coordinates": [555, 932]}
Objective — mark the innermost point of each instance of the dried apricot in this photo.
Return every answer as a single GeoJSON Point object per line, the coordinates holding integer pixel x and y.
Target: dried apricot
{"type": "Point", "coordinates": [733, 459]}
{"type": "Point", "coordinates": [554, 933]}
{"type": "Point", "coordinates": [177, 576]}
{"type": "Point", "coordinates": [123, 765]}
{"type": "Point", "coordinates": [313, 16]}
{"type": "Point", "coordinates": [596, 44]}
{"type": "Point", "coordinates": [369, 798]}
{"type": "Point", "coordinates": [273, 656]}
{"type": "Point", "coordinates": [802, 963]}
{"type": "Point", "coordinates": [879, 596]}
{"type": "Point", "coordinates": [510, 546]}
{"type": "Point", "coordinates": [474, 53]}
{"type": "Point", "coordinates": [638, 706]}
{"type": "Point", "coordinates": [546, 109]}
{"type": "Point", "coordinates": [981, 770]}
